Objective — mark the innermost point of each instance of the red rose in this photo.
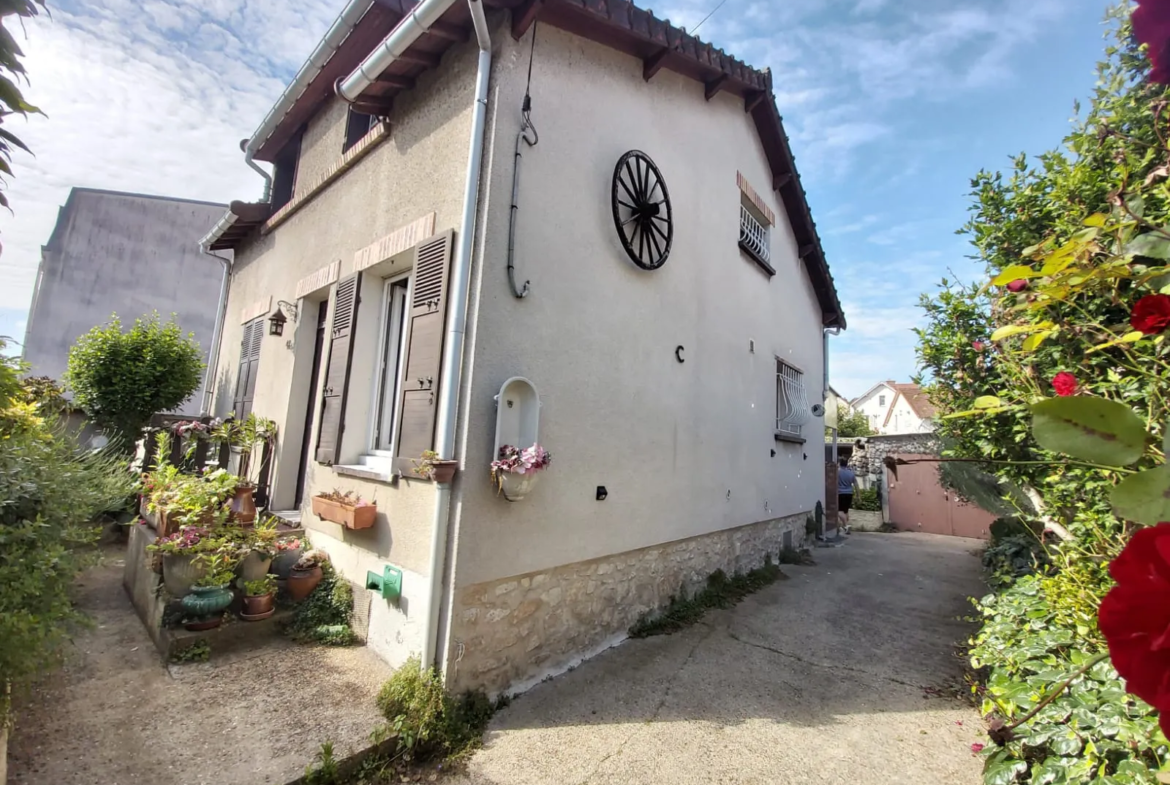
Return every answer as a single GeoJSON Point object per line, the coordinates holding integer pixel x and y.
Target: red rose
{"type": "Point", "coordinates": [977, 345]}
{"type": "Point", "coordinates": [1151, 26]}
{"type": "Point", "coordinates": [1151, 314]}
{"type": "Point", "coordinates": [1017, 285]}
{"type": "Point", "coordinates": [976, 748]}
{"type": "Point", "coordinates": [1065, 384]}
{"type": "Point", "coordinates": [1135, 618]}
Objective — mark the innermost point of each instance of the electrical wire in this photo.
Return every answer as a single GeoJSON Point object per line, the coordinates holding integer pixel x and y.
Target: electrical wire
{"type": "Point", "coordinates": [530, 139]}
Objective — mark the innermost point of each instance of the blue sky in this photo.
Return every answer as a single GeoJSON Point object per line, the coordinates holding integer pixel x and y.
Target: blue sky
{"type": "Point", "coordinates": [892, 106]}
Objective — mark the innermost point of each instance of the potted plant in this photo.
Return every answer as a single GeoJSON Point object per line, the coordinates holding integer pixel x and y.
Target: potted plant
{"type": "Point", "coordinates": [257, 549]}
{"type": "Point", "coordinates": [514, 471]}
{"type": "Point", "coordinates": [259, 599]}
{"type": "Point", "coordinates": [179, 551]}
{"type": "Point", "coordinates": [210, 594]}
{"type": "Point", "coordinates": [243, 436]}
{"type": "Point", "coordinates": [306, 574]}
{"type": "Point", "coordinates": [432, 468]}
{"type": "Point", "coordinates": [347, 508]}
{"type": "Point", "coordinates": [288, 553]}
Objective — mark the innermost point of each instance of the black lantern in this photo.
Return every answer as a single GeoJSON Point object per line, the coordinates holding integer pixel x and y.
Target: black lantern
{"type": "Point", "coordinates": [276, 322]}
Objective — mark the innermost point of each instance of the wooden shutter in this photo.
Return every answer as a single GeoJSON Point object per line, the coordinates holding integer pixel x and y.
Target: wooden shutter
{"type": "Point", "coordinates": [424, 353]}
{"type": "Point", "coordinates": [345, 310]}
{"type": "Point", "coordinates": [249, 366]}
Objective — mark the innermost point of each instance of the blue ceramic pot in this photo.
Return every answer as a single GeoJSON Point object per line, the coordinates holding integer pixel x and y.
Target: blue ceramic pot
{"type": "Point", "coordinates": [204, 601]}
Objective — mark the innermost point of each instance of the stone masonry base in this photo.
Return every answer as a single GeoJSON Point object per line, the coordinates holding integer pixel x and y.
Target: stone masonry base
{"type": "Point", "coordinates": [509, 633]}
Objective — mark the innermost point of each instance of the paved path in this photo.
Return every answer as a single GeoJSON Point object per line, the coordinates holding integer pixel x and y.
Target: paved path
{"type": "Point", "coordinates": [828, 677]}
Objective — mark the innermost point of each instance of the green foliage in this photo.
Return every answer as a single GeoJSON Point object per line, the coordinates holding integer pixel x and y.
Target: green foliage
{"type": "Point", "coordinates": [44, 394]}
{"type": "Point", "coordinates": [12, 72]}
{"type": "Point", "coordinates": [851, 425]}
{"type": "Point", "coordinates": [260, 587]}
{"type": "Point", "coordinates": [199, 651]}
{"type": "Point", "coordinates": [720, 592]}
{"type": "Point", "coordinates": [324, 770]}
{"type": "Point", "coordinates": [867, 500]}
{"type": "Point", "coordinates": [426, 719]}
{"type": "Point", "coordinates": [121, 379]}
{"type": "Point", "coordinates": [1012, 557]}
{"type": "Point", "coordinates": [1090, 428]}
{"type": "Point", "coordinates": [324, 616]}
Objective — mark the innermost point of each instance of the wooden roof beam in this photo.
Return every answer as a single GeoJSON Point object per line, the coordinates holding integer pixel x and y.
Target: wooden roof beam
{"type": "Point", "coordinates": [449, 32]}
{"type": "Point", "coordinates": [396, 80]}
{"type": "Point", "coordinates": [752, 100]}
{"type": "Point", "coordinates": [653, 64]}
{"type": "Point", "coordinates": [523, 17]}
{"type": "Point", "coordinates": [712, 88]}
{"type": "Point", "coordinates": [416, 57]}
{"type": "Point", "coordinates": [781, 180]}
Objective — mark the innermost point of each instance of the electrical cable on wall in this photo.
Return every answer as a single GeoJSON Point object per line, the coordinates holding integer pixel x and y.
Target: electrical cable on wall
{"type": "Point", "coordinates": [530, 137]}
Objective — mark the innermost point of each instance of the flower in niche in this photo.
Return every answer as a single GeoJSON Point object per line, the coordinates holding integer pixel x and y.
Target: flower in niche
{"type": "Point", "coordinates": [1151, 314]}
{"type": "Point", "coordinates": [1151, 26]}
{"type": "Point", "coordinates": [1135, 618]}
{"type": "Point", "coordinates": [1065, 384]}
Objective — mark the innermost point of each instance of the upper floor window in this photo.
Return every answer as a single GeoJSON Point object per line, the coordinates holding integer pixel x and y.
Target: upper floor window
{"type": "Point", "coordinates": [284, 172]}
{"type": "Point", "coordinates": [792, 410]}
{"type": "Point", "coordinates": [756, 220]}
{"type": "Point", "coordinates": [881, 400]}
{"type": "Point", "coordinates": [357, 125]}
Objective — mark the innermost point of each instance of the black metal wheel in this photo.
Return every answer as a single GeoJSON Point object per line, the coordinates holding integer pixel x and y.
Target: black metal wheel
{"type": "Point", "coordinates": [641, 210]}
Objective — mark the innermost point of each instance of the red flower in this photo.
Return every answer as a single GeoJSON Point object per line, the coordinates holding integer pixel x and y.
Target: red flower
{"type": "Point", "coordinates": [1017, 285]}
{"type": "Point", "coordinates": [1151, 314]}
{"type": "Point", "coordinates": [1135, 618]}
{"type": "Point", "coordinates": [1151, 26]}
{"type": "Point", "coordinates": [976, 748]}
{"type": "Point", "coordinates": [1065, 384]}
{"type": "Point", "coordinates": [977, 345]}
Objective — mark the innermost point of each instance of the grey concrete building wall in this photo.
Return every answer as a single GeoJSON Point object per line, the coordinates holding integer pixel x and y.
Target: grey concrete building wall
{"type": "Point", "coordinates": [125, 254]}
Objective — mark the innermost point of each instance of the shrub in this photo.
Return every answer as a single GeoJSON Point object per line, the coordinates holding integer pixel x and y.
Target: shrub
{"type": "Point", "coordinates": [324, 616]}
{"type": "Point", "coordinates": [121, 379]}
{"type": "Point", "coordinates": [426, 719]}
{"type": "Point", "coordinates": [867, 500]}
{"type": "Point", "coordinates": [1013, 556]}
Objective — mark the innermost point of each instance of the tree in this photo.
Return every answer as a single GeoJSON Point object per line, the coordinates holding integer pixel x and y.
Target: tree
{"type": "Point", "coordinates": [122, 379]}
{"type": "Point", "coordinates": [11, 72]}
{"type": "Point", "coordinates": [851, 425]}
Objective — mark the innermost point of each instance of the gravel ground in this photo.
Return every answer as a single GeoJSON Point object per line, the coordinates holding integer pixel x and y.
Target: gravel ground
{"type": "Point", "coordinates": [116, 715]}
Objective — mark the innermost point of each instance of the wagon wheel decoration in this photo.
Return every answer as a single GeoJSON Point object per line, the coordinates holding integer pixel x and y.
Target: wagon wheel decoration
{"type": "Point", "coordinates": [641, 210]}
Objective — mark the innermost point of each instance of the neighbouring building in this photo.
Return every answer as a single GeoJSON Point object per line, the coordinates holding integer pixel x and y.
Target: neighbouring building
{"type": "Point", "coordinates": [896, 408]}
{"type": "Point", "coordinates": [125, 254]}
{"type": "Point", "coordinates": [668, 350]}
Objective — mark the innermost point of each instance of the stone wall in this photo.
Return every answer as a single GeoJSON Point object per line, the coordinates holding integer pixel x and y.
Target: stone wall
{"type": "Point", "coordinates": [509, 633]}
{"type": "Point", "coordinates": [869, 460]}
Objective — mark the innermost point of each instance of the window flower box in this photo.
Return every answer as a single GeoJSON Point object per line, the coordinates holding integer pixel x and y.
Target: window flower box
{"type": "Point", "coordinates": [346, 509]}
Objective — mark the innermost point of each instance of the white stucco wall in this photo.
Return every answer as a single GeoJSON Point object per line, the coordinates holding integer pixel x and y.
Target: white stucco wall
{"type": "Point", "coordinates": [874, 405]}
{"type": "Point", "coordinates": [683, 449]}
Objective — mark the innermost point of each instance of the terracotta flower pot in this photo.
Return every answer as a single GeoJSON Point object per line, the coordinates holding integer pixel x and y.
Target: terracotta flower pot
{"type": "Point", "coordinates": [255, 566]}
{"type": "Point", "coordinates": [258, 608]}
{"type": "Point", "coordinates": [443, 471]}
{"type": "Point", "coordinates": [348, 515]}
{"type": "Point", "coordinates": [179, 573]}
{"type": "Point", "coordinates": [302, 582]}
{"type": "Point", "coordinates": [243, 506]}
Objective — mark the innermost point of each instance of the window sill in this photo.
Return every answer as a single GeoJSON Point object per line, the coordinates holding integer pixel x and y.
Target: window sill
{"type": "Point", "coordinates": [784, 437]}
{"type": "Point", "coordinates": [365, 473]}
{"type": "Point", "coordinates": [767, 268]}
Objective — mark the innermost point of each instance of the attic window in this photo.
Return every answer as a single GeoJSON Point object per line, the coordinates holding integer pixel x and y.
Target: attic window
{"type": "Point", "coordinates": [357, 125]}
{"type": "Point", "coordinates": [756, 220]}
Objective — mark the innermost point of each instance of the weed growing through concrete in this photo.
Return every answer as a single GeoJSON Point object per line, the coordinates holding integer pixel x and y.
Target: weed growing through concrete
{"type": "Point", "coordinates": [720, 592]}
{"type": "Point", "coordinates": [199, 651]}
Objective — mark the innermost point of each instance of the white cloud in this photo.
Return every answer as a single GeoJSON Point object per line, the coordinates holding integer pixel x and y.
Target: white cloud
{"type": "Point", "coordinates": [149, 97]}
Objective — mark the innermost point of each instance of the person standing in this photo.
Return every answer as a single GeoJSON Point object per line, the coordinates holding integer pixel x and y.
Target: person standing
{"type": "Point", "coordinates": [846, 483]}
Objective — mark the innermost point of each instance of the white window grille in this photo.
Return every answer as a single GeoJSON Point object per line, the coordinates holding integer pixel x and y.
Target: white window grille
{"type": "Point", "coordinates": [792, 409]}
{"type": "Point", "coordinates": [753, 235]}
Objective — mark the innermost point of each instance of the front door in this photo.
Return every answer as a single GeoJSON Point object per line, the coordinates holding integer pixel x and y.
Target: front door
{"type": "Point", "coordinates": [311, 403]}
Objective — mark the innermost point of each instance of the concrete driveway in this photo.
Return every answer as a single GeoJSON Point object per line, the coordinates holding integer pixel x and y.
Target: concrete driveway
{"type": "Point", "coordinates": [832, 676]}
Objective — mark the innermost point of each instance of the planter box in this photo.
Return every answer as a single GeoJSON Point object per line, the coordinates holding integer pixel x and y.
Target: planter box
{"type": "Point", "coordinates": [348, 516]}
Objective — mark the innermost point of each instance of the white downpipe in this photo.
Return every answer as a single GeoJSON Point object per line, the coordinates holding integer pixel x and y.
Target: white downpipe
{"type": "Point", "coordinates": [342, 27]}
{"type": "Point", "coordinates": [405, 33]}
{"type": "Point", "coordinates": [217, 333]}
{"type": "Point", "coordinates": [451, 373]}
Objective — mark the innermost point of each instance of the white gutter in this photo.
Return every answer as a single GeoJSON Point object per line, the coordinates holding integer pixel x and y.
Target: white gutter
{"type": "Point", "coordinates": [217, 333]}
{"type": "Point", "coordinates": [405, 33]}
{"type": "Point", "coordinates": [342, 27]}
{"type": "Point", "coordinates": [451, 372]}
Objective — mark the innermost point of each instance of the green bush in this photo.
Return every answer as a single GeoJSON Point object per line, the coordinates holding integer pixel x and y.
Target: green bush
{"type": "Point", "coordinates": [1013, 556]}
{"type": "Point", "coordinates": [426, 719]}
{"type": "Point", "coordinates": [324, 616]}
{"type": "Point", "coordinates": [867, 500]}
{"type": "Point", "coordinates": [122, 379]}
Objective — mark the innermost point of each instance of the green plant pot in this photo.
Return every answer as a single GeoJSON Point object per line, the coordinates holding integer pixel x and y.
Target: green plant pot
{"type": "Point", "coordinates": [207, 601]}
{"type": "Point", "coordinates": [179, 572]}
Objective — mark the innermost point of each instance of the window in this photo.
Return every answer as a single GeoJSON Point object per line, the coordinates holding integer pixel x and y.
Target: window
{"type": "Point", "coordinates": [390, 350]}
{"type": "Point", "coordinates": [357, 125]}
{"type": "Point", "coordinates": [284, 172]}
{"type": "Point", "coordinates": [792, 410]}
{"type": "Point", "coordinates": [249, 365]}
{"type": "Point", "coordinates": [754, 237]}
{"type": "Point", "coordinates": [881, 400]}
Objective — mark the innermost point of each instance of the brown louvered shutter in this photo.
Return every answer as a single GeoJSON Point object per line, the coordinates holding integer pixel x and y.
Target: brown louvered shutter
{"type": "Point", "coordinates": [249, 366]}
{"type": "Point", "coordinates": [345, 310]}
{"type": "Point", "coordinates": [424, 353]}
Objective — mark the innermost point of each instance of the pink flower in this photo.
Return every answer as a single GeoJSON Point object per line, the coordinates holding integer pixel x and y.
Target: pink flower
{"type": "Point", "coordinates": [1151, 26]}
{"type": "Point", "coordinates": [976, 748]}
{"type": "Point", "coordinates": [977, 345]}
{"type": "Point", "coordinates": [1017, 285]}
{"type": "Point", "coordinates": [1065, 384]}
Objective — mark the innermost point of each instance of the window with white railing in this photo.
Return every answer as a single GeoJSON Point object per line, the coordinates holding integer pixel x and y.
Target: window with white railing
{"type": "Point", "coordinates": [754, 236]}
{"type": "Point", "coordinates": [792, 410]}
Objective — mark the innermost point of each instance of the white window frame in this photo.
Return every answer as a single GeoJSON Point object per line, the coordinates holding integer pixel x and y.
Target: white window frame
{"type": "Point", "coordinates": [395, 296]}
{"type": "Point", "coordinates": [881, 400]}
{"type": "Point", "coordinates": [792, 409]}
{"type": "Point", "coordinates": [755, 236]}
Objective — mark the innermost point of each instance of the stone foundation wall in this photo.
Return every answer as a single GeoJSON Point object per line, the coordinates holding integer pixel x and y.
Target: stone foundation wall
{"type": "Point", "coordinates": [865, 520]}
{"type": "Point", "coordinates": [511, 632]}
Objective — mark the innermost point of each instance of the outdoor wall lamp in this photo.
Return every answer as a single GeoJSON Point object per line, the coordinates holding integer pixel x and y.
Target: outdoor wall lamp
{"type": "Point", "coordinates": [277, 319]}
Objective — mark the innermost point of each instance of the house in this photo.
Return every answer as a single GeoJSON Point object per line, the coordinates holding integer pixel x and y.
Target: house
{"type": "Point", "coordinates": [123, 253]}
{"type": "Point", "coordinates": [671, 356]}
{"type": "Point", "coordinates": [895, 408]}
{"type": "Point", "coordinates": [835, 406]}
